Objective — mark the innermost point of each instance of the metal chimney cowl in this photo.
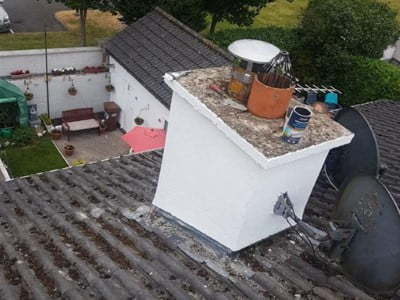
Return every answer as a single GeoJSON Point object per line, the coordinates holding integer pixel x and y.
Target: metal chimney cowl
{"type": "Point", "coordinates": [222, 173]}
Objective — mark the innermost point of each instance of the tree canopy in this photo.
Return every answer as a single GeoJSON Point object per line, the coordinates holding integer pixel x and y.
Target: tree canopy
{"type": "Point", "coordinates": [193, 12]}
{"type": "Point", "coordinates": [239, 12]}
{"type": "Point", "coordinates": [333, 30]}
{"type": "Point", "coordinates": [82, 6]}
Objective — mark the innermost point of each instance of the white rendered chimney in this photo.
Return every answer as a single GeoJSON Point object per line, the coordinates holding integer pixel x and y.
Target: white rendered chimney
{"type": "Point", "coordinates": [223, 170]}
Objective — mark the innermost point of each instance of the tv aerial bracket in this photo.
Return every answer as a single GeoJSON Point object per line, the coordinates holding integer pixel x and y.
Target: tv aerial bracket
{"type": "Point", "coordinates": [335, 240]}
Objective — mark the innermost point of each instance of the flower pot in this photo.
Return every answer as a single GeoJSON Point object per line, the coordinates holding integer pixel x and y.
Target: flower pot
{"type": "Point", "coordinates": [139, 121]}
{"type": "Point", "coordinates": [268, 102]}
{"type": "Point", "coordinates": [56, 135]}
{"type": "Point", "coordinates": [109, 88]}
{"type": "Point", "coordinates": [20, 76]}
{"type": "Point", "coordinates": [69, 150]}
{"type": "Point", "coordinates": [72, 91]}
{"type": "Point", "coordinates": [28, 96]}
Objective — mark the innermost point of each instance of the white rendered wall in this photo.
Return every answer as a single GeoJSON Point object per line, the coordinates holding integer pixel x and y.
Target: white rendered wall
{"type": "Point", "coordinates": [388, 53]}
{"type": "Point", "coordinates": [135, 100]}
{"type": "Point", "coordinates": [34, 60]}
{"type": "Point", "coordinates": [392, 52]}
{"type": "Point", "coordinates": [91, 92]}
{"type": "Point", "coordinates": [212, 185]}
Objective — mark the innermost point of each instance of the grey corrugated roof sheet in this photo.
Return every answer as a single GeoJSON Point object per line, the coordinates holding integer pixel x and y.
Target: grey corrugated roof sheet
{"type": "Point", "coordinates": [90, 233]}
{"type": "Point", "coordinates": [157, 44]}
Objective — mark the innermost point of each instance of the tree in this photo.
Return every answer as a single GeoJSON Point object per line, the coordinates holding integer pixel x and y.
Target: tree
{"type": "Point", "coordinates": [189, 12]}
{"type": "Point", "coordinates": [239, 12]}
{"type": "Point", "coordinates": [132, 10]}
{"type": "Point", "coordinates": [82, 7]}
{"type": "Point", "coordinates": [332, 31]}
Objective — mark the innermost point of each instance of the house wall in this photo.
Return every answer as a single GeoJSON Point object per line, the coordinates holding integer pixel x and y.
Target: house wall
{"type": "Point", "coordinates": [392, 52]}
{"type": "Point", "coordinates": [34, 60]}
{"type": "Point", "coordinates": [91, 92]}
{"type": "Point", "coordinates": [135, 100]}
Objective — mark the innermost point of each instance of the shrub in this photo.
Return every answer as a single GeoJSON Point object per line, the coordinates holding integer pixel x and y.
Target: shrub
{"type": "Point", "coordinates": [46, 119]}
{"type": "Point", "coordinates": [333, 30]}
{"type": "Point", "coordinates": [23, 136]}
{"type": "Point", "coordinates": [369, 80]}
{"type": "Point", "coordinates": [284, 38]}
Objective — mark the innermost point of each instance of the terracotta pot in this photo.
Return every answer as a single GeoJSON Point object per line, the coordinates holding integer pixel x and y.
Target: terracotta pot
{"type": "Point", "coordinates": [72, 91]}
{"type": "Point", "coordinates": [56, 135]}
{"type": "Point", "coordinates": [69, 150]}
{"type": "Point", "coordinates": [109, 88]}
{"type": "Point", "coordinates": [28, 96]}
{"type": "Point", "coordinates": [268, 102]}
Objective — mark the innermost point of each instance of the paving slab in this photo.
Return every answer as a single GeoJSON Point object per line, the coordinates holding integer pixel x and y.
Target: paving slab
{"type": "Point", "coordinates": [90, 147]}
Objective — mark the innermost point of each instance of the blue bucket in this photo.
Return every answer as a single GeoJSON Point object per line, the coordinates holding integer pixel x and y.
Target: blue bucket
{"type": "Point", "coordinates": [296, 122]}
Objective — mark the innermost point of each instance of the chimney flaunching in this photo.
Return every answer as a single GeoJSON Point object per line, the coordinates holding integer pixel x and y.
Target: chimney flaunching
{"type": "Point", "coordinates": [223, 169]}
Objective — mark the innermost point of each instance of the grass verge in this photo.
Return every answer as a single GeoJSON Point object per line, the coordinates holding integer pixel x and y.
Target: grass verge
{"type": "Point", "coordinates": [38, 157]}
{"type": "Point", "coordinates": [99, 27]}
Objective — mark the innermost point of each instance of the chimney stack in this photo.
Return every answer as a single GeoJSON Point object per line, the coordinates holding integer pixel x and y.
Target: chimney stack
{"type": "Point", "coordinates": [223, 169]}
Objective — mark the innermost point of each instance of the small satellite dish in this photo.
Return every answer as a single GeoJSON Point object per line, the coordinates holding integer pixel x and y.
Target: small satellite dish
{"type": "Point", "coordinates": [372, 257]}
{"type": "Point", "coordinates": [360, 157]}
{"type": "Point", "coordinates": [254, 51]}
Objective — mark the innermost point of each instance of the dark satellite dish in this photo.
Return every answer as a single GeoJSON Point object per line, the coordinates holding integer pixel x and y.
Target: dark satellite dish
{"type": "Point", "coordinates": [372, 257]}
{"type": "Point", "coordinates": [360, 157]}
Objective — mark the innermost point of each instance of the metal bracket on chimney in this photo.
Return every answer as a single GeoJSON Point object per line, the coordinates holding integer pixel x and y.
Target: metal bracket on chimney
{"type": "Point", "coordinates": [335, 240]}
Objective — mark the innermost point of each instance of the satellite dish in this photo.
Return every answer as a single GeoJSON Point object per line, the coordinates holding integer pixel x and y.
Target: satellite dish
{"type": "Point", "coordinates": [372, 258]}
{"type": "Point", "coordinates": [360, 157]}
{"type": "Point", "coordinates": [254, 51]}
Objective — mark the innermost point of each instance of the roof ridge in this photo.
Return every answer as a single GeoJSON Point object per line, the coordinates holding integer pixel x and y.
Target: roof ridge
{"type": "Point", "coordinates": [195, 34]}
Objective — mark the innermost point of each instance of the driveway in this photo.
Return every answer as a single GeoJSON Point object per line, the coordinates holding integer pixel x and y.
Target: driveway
{"type": "Point", "coordinates": [31, 15]}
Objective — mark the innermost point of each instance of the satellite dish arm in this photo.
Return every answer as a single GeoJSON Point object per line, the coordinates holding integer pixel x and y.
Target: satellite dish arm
{"type": "Point", "coordinates": [337, 238]}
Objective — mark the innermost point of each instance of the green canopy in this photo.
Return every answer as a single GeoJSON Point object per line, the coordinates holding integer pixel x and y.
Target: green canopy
{"type": "Point", "coordinates": [10, 93]}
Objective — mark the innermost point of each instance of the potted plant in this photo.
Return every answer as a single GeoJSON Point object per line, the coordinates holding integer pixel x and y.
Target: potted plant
{"type": "Point", "coordinates": [69, 150]}
{"type": "Point", "coordinates": [72, 91]}
{"type": "Point", "coordinates": [28, 96]}
{"type": "Point", "coordinates": [56, 134]}
{"type": "Point", "coordinates": [109, 88]}
{"type": "Point", "coordinates": [139, 121]}
{"type": "Point", "coordinates": [19, 74]}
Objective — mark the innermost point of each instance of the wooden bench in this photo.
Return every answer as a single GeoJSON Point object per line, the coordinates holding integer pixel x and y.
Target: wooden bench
{"type": "Point", "coordinates": [79, 119]}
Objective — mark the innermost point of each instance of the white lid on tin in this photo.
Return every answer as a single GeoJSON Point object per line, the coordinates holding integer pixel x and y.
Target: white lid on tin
{"type": "Point", "coordinates": [254, 50]}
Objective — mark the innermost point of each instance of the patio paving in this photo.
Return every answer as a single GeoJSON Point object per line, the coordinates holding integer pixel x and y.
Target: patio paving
{"type": "Point", "coordinates": [90, 147]}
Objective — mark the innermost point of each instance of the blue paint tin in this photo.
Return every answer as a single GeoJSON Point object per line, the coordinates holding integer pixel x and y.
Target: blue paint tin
{"type": "Point", "coordinates": [296, 122]}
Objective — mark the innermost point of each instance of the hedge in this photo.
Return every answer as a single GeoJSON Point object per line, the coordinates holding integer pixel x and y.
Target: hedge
{"type": "Point", "coordinates": [284, 38]}
{"type": "Point", "coordinates": [369, 80]}
{"type": "Point", "coordinates": [363, 80]}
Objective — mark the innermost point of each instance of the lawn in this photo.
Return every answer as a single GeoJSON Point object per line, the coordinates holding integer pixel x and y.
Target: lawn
{"type": "Point", "coordinates": [99, 27]}
{"type": "Point", "coordinates": [286, 14]}
{"type": "Point", "coordinates": [278, 13]}
{"type": "Point", "coordinates": [39, 157]}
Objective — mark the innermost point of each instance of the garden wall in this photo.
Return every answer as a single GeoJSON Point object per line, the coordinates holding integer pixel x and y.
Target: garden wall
{"type": "Point", "coordinates": [91, 87]}
{"type": "Point", "coordinates": [34, 60]}
{"type": "Point", "coordinates": [91, 92]}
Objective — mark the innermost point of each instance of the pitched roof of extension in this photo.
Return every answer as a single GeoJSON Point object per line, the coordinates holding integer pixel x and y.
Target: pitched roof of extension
{"type": "Point", "coordinates": [157, 44]}
{"type": "Point", "coordinates": [89, 232]}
